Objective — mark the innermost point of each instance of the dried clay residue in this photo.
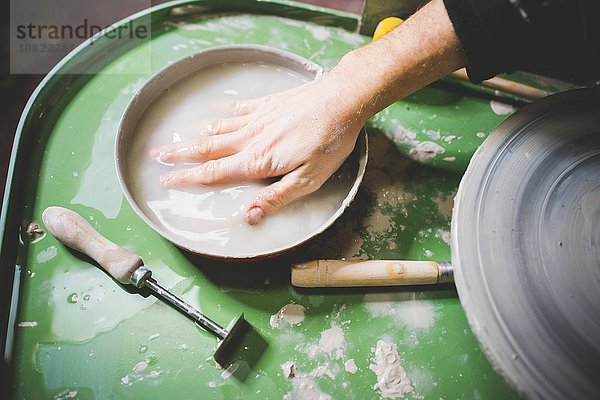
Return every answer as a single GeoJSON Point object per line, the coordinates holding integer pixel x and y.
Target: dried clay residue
{"type": "Point", "coordinates": [500, 108]}
{"type": "Point", "coordinates": [425, 151]}
{"type": "Point", "coordinates": [350, 366]}
{"type": "Point", "coordinates": [332, 342]}
{"type": "Point", "coordinates": [46, 255]}
{"type": "Point", "coordinates": [304, 386]}
{"type": "Point", "coordinates": [392, 381]}
{"type": "Point", "coordinates": [408, 308]}
{"type": "Point", "coordinates": [421, 151]}
{"type": "Point", "coordinates": [66, 394]}
{"type": "Point", "coordinates": [444, 235]}
{"type": "Point", "coordinates": [288, 315]}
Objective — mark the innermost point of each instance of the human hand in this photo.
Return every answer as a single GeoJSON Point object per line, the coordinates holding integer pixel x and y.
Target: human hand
{"type": "Point", "coordinates": [304, 134]}
{"type": "Point", "coordinates": [301, 135]}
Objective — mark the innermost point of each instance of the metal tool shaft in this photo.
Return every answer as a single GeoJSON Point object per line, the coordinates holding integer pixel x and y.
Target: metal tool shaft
{"type": "Point", "coordinates": [446, 272]}
{"type": "Point", "coordinates": [190, 311]}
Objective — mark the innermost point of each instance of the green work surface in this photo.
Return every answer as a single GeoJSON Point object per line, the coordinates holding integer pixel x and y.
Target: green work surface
{"type": "Point", "coordinates": [79, 334]}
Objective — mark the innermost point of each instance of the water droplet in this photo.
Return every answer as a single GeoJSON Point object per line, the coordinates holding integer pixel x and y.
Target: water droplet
{"type": "Point", "coordinates": [73, 298]}
{"type": "Point", "coordinates": [183, 347]}
{"type": "Point", "coordinates": [86, 297]}
{"type": "Point", "coordinates": [143, 349]}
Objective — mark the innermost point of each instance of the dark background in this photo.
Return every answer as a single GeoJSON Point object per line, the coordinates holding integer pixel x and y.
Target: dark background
{"type": "Point", "coordinates": [16, 89]}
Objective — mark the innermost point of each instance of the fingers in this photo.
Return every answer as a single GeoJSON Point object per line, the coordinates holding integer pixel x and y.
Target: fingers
{"type": "Point", "coordinates": [224, 170]}
{"type": "Point", "coordinates": [202, 149]}
{"type": "Point", "coordinates": [279, 194]}
{"type": "Point", "coordinates": [227, 125]}
{"type": "Point", "coordinates": [245, 107]}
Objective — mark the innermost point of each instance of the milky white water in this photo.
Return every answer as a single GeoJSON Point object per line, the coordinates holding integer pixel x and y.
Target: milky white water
{"type": "Point", "coordinates": [211, 219]}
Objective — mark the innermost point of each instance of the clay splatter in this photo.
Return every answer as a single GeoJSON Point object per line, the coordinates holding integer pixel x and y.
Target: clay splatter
{"type": "Point", "coordinates": [139, 367]}
{"type": "Point", "coordinates": [289, 369]}
{"type": "Point", "coordinates": [444, 235]}
{"type": "Point", "coordinates": [445, 203]}
{"type": "Point", "coordinates": [449, 138]}
{"type": "Point", "coordinates": [500, 108]}
{"type": "Point", "coordinates": [425, 151]}
{"type": "Point", "coordinates": [350, 366]}
{"type": "Point", "coordinates": [319, 32]}
{"type": "Point", "coordinates": [392, 381]}
{"type": "Point", "coordinates": [405, 307]}
{"type": "Point", "coordinates": [404, 135]}
{"type": "Point", "coordinates": [421, 151]}
{"type": "Point", "coordinates": [288, 315]}
{"type": "Point", "coordinates": [325, 370]}
{"type": "Point", "coordinates": [390, 194]}
{"type": "Point", "coordinates": [46, 255]}
{"type": "Point", "coordinates": [435, 135]}
{"type": "Point", "coordinates": [332, 342]}
{"type": "Point", "coordinates": [66, 394]}
{"type": "Point", "coordinates": [304, 386]}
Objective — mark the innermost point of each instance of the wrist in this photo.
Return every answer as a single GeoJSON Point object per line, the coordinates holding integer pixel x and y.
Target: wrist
{"type": "Point", "coordinates": [354, 85]}
{"type": "Point", "coordinates": [420, 51]}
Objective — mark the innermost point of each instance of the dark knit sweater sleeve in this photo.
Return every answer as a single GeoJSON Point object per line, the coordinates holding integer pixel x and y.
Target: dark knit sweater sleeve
{"type": "Point", "coordinates": [505, 35]}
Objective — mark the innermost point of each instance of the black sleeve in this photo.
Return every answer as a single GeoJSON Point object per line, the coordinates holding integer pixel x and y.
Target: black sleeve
{"type": "Point", "coordinates": [554, 37]}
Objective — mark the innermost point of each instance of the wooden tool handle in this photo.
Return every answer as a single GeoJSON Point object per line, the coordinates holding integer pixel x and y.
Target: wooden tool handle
{"type": "Point", "coordinates": [72, 230]}
{"type": "Point", "coordinates": [504, 85]}
{"type": "Point", "coordinates": [353, 273]}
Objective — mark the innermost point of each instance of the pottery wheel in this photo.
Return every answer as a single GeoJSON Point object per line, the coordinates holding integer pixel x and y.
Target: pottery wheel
{"type": "Point", "coordinates": [526, 247]}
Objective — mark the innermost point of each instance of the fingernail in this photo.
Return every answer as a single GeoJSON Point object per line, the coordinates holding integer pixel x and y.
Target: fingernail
{"type": "Point", "coordinates": [254, 215]}
{"type": "Point", "coordinates": [166, 179]}
{"type": "Point", "coordinates": [163, 155]}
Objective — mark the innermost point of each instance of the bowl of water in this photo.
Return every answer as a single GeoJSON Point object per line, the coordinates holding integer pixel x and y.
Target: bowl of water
{"type": "Point", "coordinates": [173, 106]}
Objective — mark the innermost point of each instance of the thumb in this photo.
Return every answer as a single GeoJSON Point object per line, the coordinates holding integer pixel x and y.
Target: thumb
{"type": "Point", "coordinates": [281, 193]}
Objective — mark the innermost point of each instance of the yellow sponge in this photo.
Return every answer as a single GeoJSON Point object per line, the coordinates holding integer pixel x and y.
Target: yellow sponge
{"type": "Point", "coordinates": [385, 26]}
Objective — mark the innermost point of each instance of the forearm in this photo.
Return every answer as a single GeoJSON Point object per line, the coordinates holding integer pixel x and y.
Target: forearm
{"type": "Point", "coordinates": [420, 51]}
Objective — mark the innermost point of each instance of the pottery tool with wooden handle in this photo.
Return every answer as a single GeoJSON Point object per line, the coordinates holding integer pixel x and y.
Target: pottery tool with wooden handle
{"type": "Point", "coordinates": [355, 273]}
{"type": "Point", "coordinates": [128, 268]}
